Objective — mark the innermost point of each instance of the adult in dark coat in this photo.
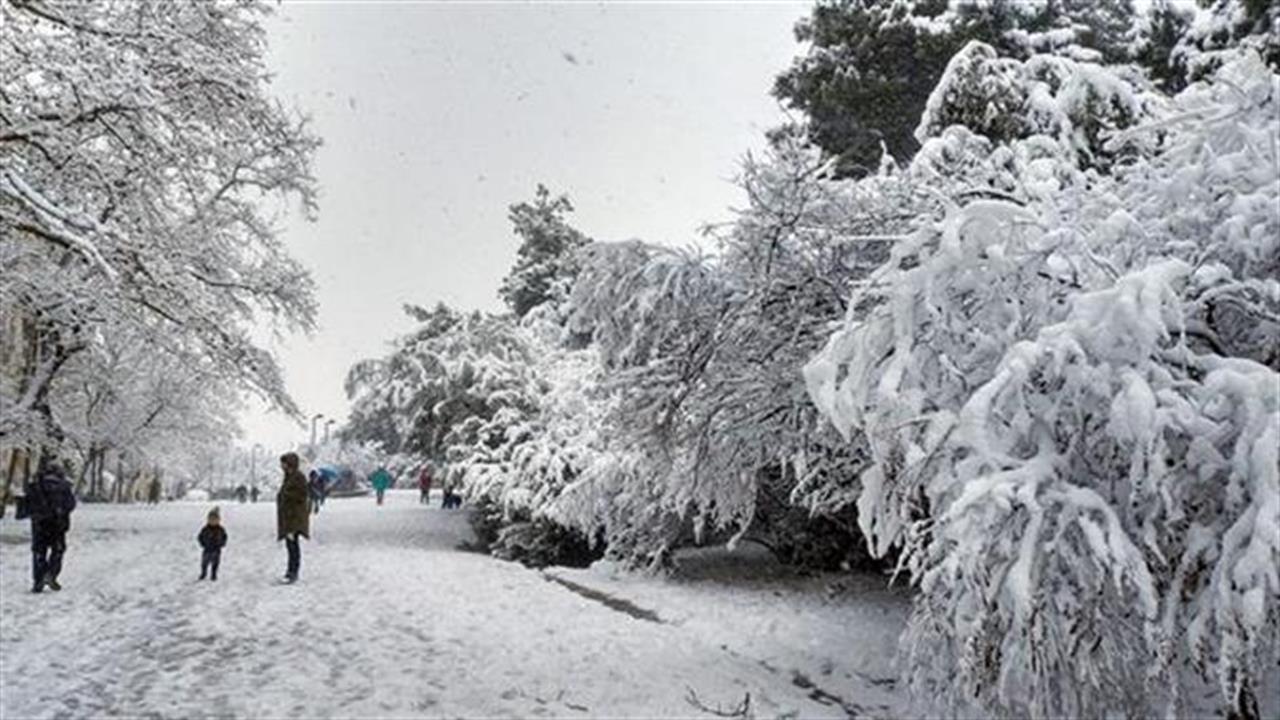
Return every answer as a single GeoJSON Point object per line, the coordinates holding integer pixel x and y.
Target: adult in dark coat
{"type": "Point", "coordinates": [292, 517]}
{"type": "Point", "coordinates": [48, 501]}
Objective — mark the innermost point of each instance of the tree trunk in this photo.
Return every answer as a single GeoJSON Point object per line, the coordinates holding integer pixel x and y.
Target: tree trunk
{"type": "Point", "coordinates": [100, 470]}
{"type": "Point", "coordinates": [131, 490]}
{"type": "Point", "coordinates": [11, 469]}
{"type": "Point", "coordinates": [86, 470]}
{"type": "Point", "coordinates": [1246, 707]}
{"type": "Point", "coordinates": [114, 495]}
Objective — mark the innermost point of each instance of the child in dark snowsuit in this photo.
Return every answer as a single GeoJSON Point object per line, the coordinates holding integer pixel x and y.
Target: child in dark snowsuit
{"type": "Point", "coordinates": [212, 537]}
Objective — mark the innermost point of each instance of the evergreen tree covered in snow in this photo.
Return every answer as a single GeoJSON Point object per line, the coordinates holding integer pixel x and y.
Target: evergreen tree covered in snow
{"type": "Point", "coordinates": [545, 263]}
{"type": "Point", "coordinates": [870, 66]}
{"type": "Point", "coordinates": [1222, 26]}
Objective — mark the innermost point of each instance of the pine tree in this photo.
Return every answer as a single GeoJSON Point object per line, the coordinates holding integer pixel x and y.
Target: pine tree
{"type": "Point", "coordinates": [545, 264]}
{"type": "Point", "coordinates": [870, 66]}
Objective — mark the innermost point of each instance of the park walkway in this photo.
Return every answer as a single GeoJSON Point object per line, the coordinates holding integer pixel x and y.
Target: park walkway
{"type": "Point", "coordinates": [390, 619]}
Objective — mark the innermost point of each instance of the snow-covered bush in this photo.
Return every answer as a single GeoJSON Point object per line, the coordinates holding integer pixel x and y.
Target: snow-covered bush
{"type": "Point", "coordinates": [1072, 439]}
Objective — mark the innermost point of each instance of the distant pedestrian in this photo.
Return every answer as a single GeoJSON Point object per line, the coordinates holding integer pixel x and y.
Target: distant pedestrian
{"type": "Point", "coordinates": [424, 485]}
{"type": "Point", "coordinates": [315, 491]}
{"type": "Point", "coordinates": [211, 538]}
{"type": "Point", "coordinates": [242, 493]}
{"type": "Point", "coordinates": [49, 502]}
{"type": "Point", "coordinates": [292, 519]}
{"type": "Point", "coordinates": [323, 486]}
{"type": "Point", "coordinates": [451, 499]}
{"type": "Point", "coordinates": [253, 494]}
{"type": "Point", "coordinates": [153, 491]}
{"type": "Point", "coordinates": [380, 480]}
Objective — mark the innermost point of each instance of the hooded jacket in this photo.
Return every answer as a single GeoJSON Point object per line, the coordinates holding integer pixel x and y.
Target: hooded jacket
{"type": "Point", "coordinates": [292, 513]}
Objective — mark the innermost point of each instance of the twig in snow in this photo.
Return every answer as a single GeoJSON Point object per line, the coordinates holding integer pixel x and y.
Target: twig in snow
{"type": "Point", "coordinates": [740, 710]}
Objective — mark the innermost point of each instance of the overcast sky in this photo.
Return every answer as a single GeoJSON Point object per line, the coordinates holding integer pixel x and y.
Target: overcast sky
{"type": "Point", "coordinates": [437, 116]}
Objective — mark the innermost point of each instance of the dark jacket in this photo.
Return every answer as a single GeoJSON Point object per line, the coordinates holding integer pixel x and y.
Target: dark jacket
{"type": "Point", "coordinates": [49, 498]}
{"type": "Point", "coordinates": [212, 537]}
{"type": "Point", "coordinates": [292, 513]}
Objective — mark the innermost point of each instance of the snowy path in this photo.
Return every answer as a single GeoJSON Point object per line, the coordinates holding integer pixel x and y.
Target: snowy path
{"type": "Point", "coordinates": [390, 620]}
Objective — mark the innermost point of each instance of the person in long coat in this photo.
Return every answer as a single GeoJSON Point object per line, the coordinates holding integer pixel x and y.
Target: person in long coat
{"type": "Point", "coordinates": [292, 517]}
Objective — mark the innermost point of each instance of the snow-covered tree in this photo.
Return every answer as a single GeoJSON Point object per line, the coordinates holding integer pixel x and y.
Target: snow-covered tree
{"type": "Point", "coordinates": [138, 144]}
{"type": "Point", "coordinates": [395, 396]}
{"type": "Point", "coordinates": [868, 68]}
{"type": "Point", "coordinates": [1220, 28]}
{"type": "Point", "coordinates": [546, 259]}
{"type": "Point", "coordinates": [121, 398]}
{"type": "Point", "coordinates": [711, 433]}
{"type": "Point", "coordinates": [1077, 104]}
{"type": "Point", "coordinates": [1072, 436]}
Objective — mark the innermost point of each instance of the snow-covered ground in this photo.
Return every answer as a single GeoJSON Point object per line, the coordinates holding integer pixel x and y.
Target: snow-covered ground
{"type": "Point", "coordinates": [390, 619]}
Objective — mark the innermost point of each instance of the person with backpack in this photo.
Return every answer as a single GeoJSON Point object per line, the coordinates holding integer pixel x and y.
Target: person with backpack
{"type": "Point", "coordinates": [49, 502]}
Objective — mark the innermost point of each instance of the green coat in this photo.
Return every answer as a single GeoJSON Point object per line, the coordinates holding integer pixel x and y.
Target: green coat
{"type": "Point", "coordinates": [292, 513]}
{"type": "Point", "coordinates": [380, 479]}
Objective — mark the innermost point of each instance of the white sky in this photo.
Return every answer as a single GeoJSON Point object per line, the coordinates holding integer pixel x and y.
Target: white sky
{"type": "Point", "coordinates": [437, 116]}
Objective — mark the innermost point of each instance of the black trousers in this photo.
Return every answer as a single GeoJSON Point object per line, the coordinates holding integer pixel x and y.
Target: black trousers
{"type": "Point", "coordinates": [292, 545]}
{"type": "Point", "coordinates": [48, 543]}
{"type": "Point", "coordinates": [209, 560]}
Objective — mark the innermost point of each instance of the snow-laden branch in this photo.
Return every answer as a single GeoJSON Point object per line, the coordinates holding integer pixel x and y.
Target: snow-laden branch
{"type": "Point", "coordinates": [60, 225]}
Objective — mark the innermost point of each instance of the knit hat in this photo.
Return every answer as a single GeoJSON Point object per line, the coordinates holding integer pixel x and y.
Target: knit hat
{"type": "Point", "coordinates": [214, 513]}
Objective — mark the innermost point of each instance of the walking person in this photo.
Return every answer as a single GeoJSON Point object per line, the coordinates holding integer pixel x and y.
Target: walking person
{"type": "Point", "coordinates": [314, 490]}
{"type": "Point", "coordinates": [211, 538]}
{"type": "Point", "coordinates": [451, 499]}
{"type": "Point", "coordinates": [380, 480]}
{"type": "Point", "coordinates": [49, 502]}
{"type": "Point", "coordinates": [292, 519]}
{"type": "Point", "coordinates": [424, 485]}
{"type": "Point", "coordinates": [153, 491]}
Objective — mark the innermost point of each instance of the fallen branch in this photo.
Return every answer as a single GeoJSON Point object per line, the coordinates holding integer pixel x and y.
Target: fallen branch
{"type": "Point", "coordinates": [740, 710]}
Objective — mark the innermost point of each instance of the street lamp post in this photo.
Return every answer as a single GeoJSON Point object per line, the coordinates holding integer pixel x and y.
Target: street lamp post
{"type": "Point", "coordinates": [327, 424]}
{"type": "Point", "coordinates": [253, 463]}
{"type": "Point", "coordinates": [314, 418]}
